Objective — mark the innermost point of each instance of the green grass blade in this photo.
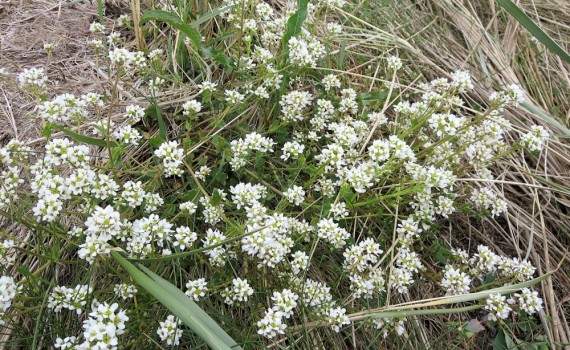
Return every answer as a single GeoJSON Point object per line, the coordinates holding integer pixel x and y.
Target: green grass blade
{"type": "Point", "coordinates": [174, 21]}
{"type": "Point", "coordinates": [208, 16]}
{"type": "Point", "coordinates": [195, 308]}
{"type": "Point", "coordinates": [535, 30]}
{"type": "Point", "coordinates": [180, 306]}
{"type": "Point", "coordinates": [537, 111]}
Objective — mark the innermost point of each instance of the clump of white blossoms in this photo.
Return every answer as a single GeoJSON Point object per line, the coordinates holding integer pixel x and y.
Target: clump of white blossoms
{"type": "Point", "coordinates": [33, 79]}
{"type": "Point", "coordinates": [172, 157]}
{"type": "Point", "coordinates": [196, 289]}
{"type": "Point", "coordinates": [498, 307]}
{"type": "Point", "coordinates": [191, 107]}
{"type": "Point", "coordinates": [293, 105]}
{"type": "Point", "coordinates": [170, 331]}
{"type": "Point", "coordinates": [75, 298]}
{"type": "Point", "coordinates": [295, 195]}
{"type": "Point", "coordinates": [455, 281]}
{"type": "Point", "coordinates": [394, 63]}
{"type": "Point", "coordinates": [535, 138]}
{"type": "Point", "coordinates": [292, 150]}
{"type": "Point", "coordinates": [305, 50]}
{"type": "Point", "coordinates": [8, 291]}
{"type": "Point", "coordinates": [529, 301]}
{"type": "Point", "coordinates": [239, 291]}
{"type": "Point", "coordinates": [242, 148]}
{"type": "Point", "coordinates": [125, 291]}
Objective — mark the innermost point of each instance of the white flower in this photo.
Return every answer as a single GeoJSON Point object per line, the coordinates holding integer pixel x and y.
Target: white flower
{"type": "Point", "coordinates": [498, 307]}
{"type": "Point", "coordinates": [295, 195]}
{"type": "Point", "coordinates": [239, 291]}
{"type": "Point", "coordinates": [336, 317]}
{"type": "Point", "coordinates": [271, 324]}
{"type": "Point", "coordinates": [535, 138]}
{"type": "Point", "coordinates": [394, 63]}
{"type": "Point", "coordinates": [529, 301]}
{"type": "Point", "coordinates": [170, 331]}
{"type": "Point", "coordinates": [191, 107]}
{"type": "Point", "coordinates": [196, 289]}
{"type": "Point", "coordinates": [330, 81]}
{"type": "Point", "coordinates": [125, 291]}
{"type": "Point", "coordinates": [292, 150]}
{"type": "Point", "coordinates": [455, 281]}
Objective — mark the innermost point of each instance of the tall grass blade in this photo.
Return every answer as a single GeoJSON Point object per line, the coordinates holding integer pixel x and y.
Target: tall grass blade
{"type": "Point", "coordinates": [535, 30]}
{"type": "Point", "coordinates": [180, 305]}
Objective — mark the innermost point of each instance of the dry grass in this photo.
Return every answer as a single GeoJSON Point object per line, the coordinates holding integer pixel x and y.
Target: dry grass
{"type": "Point", "coordinates": [440, 36]}
{"type": "Point", "coordinates": [476, 35]}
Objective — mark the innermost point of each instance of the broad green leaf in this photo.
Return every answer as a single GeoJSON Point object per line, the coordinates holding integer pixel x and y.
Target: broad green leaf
{"type": "Point", "coordinates": [295, 22]}
{"type": "Point", "coordinates": [174, 21]}
{"type": "Point", "coordinates": [179, 305]}
{"type": "Point", "coordinates": [535, 30]}
{"type": "Point", "coordinates": [87, 139]}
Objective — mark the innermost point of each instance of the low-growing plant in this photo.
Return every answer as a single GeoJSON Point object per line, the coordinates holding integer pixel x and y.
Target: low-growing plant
{"type": "Point", "coordinates": [264, 174]}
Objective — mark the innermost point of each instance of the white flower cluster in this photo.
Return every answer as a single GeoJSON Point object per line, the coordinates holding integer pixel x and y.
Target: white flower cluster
{"type": "Point", "coordinates": [283, 304]}
{"type": "Point", "coordinates": [238, 292]}
{"type": "Point", "coordinates": [529, 301]}
{"type": "Point", "coordinates": [366, 278]}
{"type": "Point", "coordinates": [535, 138]}
{"type": "Point", "coordinates": [191, 107]}
{"type": "Point", "coordinates": [305, 50]}
{"type": "Point", "coordinates": [455, 281]}
{"type": "Point", "coordinates": [33, 79]}
{"type": "Point", "coordinates": [485, 198]}
{"type": "Point", "coordinates": [292, 150]}
{"type": "Point", "coordinates": [295, 195]}
{"type": "Point", "coordinates": [388, 325]}
{"type": "Point", "coordinates": [512, 96]}
{"type": "Point", "coordinates": [8, 291]}
{"type": "Point", "coordinates": [62, 297]}
{"type": "Point", "coordinates": [125, 291]}
{"type": "Point", "coordinates": [293, 104]}
{"type": "Point", "coordinates": [196, 289]}
{"type": "Point", "coordinates": [394, 63]}
{"type": "Point", "coordinates": [102, 328]}
{"type": "Point", "coordinates": [170, 331]}
{"type": "Point", "coordinates": [172, 157]}
{"type": "Point", "coordinates": [252, 142]}
{"type": "Point", "coordinates": [498, 307]}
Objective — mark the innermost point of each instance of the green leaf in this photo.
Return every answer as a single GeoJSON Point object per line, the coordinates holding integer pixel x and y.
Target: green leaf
{"type": "Point", "coordinates": [535, 30]}
{"type": "Point", "coordinates": [86, 139]}
{"type": "Point", "coordinates": [208, 16]}
{"type": "Point", "coordinates": [155, 112]}
{"type": "Point", "coordinates": [179, 304]}
{"type": "Point", "coordinates": [500, 343]}
{"type": "Point", "coordinates": [295, 22]}
{"type": "Point", "coordinates": [174, 21]}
